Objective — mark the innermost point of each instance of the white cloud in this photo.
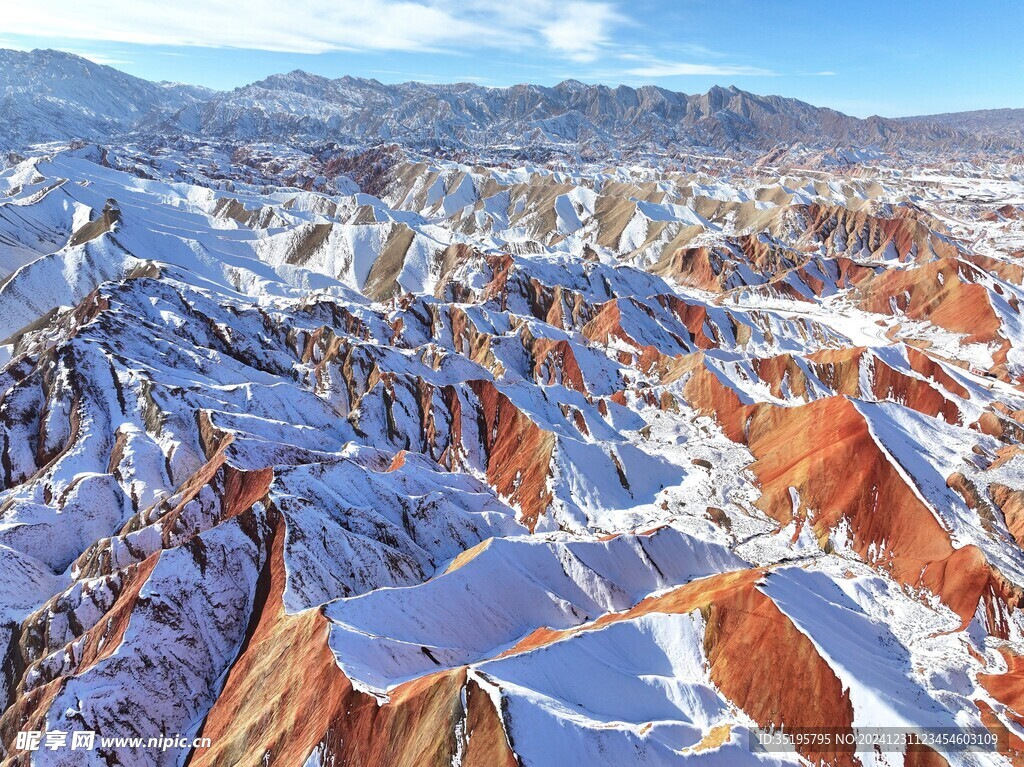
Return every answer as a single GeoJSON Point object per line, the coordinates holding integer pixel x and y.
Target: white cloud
{"type": "Point", "coordinates": [313, 26]}
{"type": "Point", "coordinates": [13, 45]}
{"type": "Point", "coordinates": [581, 29]}
{"type": "Point", "coordinates": [682, 69]}
{"type": "Point", "coordinates": [101, 58]}
{"type": "Point", "coordinates": [574, 30]}
{"type": "Point", "coordinates": [424, 77]}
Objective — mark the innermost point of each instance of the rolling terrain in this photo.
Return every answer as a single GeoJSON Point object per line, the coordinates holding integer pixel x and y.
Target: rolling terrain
{"type": "Point", "coordinates": [368, 456]}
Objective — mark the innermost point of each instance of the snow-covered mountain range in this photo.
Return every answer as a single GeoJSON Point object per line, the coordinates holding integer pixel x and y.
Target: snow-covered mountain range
{"type": "Point", "coordinates": [49, 95]}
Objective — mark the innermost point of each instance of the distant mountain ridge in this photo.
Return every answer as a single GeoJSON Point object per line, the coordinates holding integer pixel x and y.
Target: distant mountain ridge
{"type": "Point", "coordinates": [999, 122]}
{"type": "Point", "coordinates": [50, 95]}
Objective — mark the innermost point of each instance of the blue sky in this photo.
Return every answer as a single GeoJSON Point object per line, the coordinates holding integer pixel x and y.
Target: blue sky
{"type": "Point", "coordinates": [891, 57]}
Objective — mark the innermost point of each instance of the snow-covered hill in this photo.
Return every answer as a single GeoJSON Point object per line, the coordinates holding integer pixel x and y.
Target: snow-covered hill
{"type": "Point", "coordinates": [506, 465]}
{"type": "Point", "coordinates": [48, 95]}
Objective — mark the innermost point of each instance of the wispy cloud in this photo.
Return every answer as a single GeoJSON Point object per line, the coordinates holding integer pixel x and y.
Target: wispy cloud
{"type": "Point", "coordinates": [583, 34]}
{"type": "Point", "coordinates": [575, 30]}
{"type": "Point", "coordinates": [684, 68]}
{"type": "Point", "coordinates": [12, 45]}
{"type": "Point", "coordinates": [580, 29]}
{"type": "Point", "coordinates": [425, 77]}
{"type": "Point", "coordinates": [110, 60]}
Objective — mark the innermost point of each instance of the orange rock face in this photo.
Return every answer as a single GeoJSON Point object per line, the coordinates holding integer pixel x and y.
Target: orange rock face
{"type": "Point", "coordinates": [756, 656]}
{"type": "Point", "coordinates": [285, 697]}
{"type": "Point", "coordinates": [518, 452]}
{"type": "Point", "coordinates": [839, 473]}
{"type": "Point", "coordinates": [943, 292]}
